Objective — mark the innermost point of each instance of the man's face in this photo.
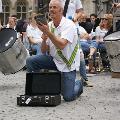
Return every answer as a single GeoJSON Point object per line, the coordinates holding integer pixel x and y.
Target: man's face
{"type": "Point", "coordinates": [92, 18]}
{"type": "Point", "coordinates": [54, 9]}
{"type": "Point", "coordinates": [11, 22]}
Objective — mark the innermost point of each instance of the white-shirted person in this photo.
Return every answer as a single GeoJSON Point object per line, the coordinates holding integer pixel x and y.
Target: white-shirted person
{"type": "Point", "coordinates": [59, 38]}
{"type": "Point", "coordinates": [34, 35]}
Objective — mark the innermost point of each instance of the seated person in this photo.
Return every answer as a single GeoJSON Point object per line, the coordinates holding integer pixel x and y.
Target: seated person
{"type": "Point", "coordinates": [85, 35]}
{"type": "Point", "coordinates": [94, 20]}
{"type": "Point", "coordinates": [103, 28]}
{"type": "Point", "coordinates": [87, 44]}
{"type": "Point", "coordinates": [34, 35]}
{"type": "Point", "coordinates": [88, 26]}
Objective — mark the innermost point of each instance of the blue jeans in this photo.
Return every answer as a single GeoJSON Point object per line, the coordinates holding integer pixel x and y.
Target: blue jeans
{"type": "Point", "coordinates": [87, 44]}
{"type": "Point", "coordinates": [101, 47]}
{"type": "Point", "coordinates": [82, 70]}
{"type": "Point", "coordinates": [37, 48]}
{"type": "Point", "coordinates": [70, 88]}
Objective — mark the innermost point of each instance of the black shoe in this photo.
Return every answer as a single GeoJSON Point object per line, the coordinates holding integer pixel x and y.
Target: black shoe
{"type": "Point", "coordinates": [86, 84]}
{"type": "Point", "coordinates": [79, 93]}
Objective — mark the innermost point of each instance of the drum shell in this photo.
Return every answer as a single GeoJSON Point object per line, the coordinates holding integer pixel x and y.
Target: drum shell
{"type": "Point", "coordinates": [13, 59]}
{"type": "Point", "coordinates": [112, 43]}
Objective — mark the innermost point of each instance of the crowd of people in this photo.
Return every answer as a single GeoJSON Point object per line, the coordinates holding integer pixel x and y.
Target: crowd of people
{"type": "Point", "coordinates": [65, 42]}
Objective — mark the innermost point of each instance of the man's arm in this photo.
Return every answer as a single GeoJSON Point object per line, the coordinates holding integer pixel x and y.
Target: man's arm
{"type": "Point", "coordinates": [31, 40]}
{"type": "Point", "coordinates": [44, 46]}
{"type": "Point", "coordinates": [55, 40]}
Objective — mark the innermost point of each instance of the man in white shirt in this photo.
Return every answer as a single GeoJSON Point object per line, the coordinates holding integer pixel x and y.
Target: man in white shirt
{"type": "Point", "coordinates": [74, 8]}
{"type": "Point", "coordinates": [62, 37]}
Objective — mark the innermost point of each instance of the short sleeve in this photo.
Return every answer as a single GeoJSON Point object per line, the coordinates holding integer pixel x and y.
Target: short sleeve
{"type": "Point", "coordinates": [78, 4]}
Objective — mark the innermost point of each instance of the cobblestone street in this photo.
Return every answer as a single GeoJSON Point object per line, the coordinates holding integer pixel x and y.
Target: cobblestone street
{"type": "Point", "coordinates": [101, 102]}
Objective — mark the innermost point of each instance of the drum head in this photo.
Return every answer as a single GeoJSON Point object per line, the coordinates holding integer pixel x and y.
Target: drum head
{"type": "Point", "coordinates": [8, 37]}
{"type": "Point", "coordinates": [113, 37]}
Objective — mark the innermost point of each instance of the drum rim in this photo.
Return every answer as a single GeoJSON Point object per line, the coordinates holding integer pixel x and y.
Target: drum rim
{"type": "Point", "coordinates": [109, 35]}
{"type": "Point", "coordinates": [112, 40]}
{"type": "Point", "coordinates": [2, 51]}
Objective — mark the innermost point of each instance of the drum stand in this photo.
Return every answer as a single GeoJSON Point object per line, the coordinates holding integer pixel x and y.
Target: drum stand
{"type": "Point", "coordinates": [98, 62]}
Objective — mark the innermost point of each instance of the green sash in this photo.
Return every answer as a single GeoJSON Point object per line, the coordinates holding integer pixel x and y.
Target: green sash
{"type": "Point", "coordinates": [59, 52]}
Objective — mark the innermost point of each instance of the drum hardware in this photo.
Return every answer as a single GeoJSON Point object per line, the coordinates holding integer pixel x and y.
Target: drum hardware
{"type": "Point", "coordinates": [98, 62]}
{"type": "Point", "coordinates": [112, 43]}
{"type": "Point", "coordinates": [39, 100]}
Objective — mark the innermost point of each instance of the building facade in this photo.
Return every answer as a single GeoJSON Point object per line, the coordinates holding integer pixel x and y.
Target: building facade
{"type": "Point", "coordinates": [23, 8]}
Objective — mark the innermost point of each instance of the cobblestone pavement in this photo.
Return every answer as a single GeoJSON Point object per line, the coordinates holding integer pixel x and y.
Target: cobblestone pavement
{"type": "Point", "coordinates": [101, 102]}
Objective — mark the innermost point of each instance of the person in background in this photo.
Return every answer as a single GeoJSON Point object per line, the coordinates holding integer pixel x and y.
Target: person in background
{"type": "Point", "coordinates": [60, 38]}
{"type": "Point", "coordinates": [94, 20]}
{"type": "Point", "coordinates": [74, 9]}
{"type": "Point", "coordinates": [88, 26]}
{"type": "Point", "coordinates": [15, 17]}
{"type": "Point", "coordinates": [82, 69]}
{"type": "Point", "coordinates": [9, 18]}
{"type": "Point", "coordinates": [34, 35]}
{"type": "Point", "coordinates": [11, 23]}
{"type": "Point", "coordinates": [102, 30]}
{"type": "Point", "coordinates": [86, 41]}
{"type": "Point", "coordinates": [21, 27]}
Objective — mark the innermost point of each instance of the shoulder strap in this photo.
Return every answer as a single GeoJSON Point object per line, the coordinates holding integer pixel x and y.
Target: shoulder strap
{"type": "Point", "coordinates": [72, 57]}
{"type": "Point", "coordinates": [66, 7]}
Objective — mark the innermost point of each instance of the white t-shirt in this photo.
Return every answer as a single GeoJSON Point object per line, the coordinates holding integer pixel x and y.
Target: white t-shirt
{"type": "Point", "coordinates": [81, 32]}
{"type": "Point", "coordinates": [72, 7]}
{"type": "Point", "coordinates": [35, 33]}
{"type": "Point", "coordinates": [100, 33]}
{"type": "Point", "coordinates": [65, 30]}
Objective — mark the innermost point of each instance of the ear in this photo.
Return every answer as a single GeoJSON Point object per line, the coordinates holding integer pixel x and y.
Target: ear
{"type": "Point", "coordinates": [61, 10]}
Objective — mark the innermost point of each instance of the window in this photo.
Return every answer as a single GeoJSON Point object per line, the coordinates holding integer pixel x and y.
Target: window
{"type": "Point", "coordinates": [99, 7]}
{"type": "Point", "coordinates": [21, 9]}
{"type": "Point", "coordinates": [6, 11]}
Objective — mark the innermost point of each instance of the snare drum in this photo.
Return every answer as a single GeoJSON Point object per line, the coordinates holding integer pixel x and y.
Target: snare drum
{"type": "Point", "coordinates": [13, 54]}
{"type": "Point", "coordinates": [112, 43]}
